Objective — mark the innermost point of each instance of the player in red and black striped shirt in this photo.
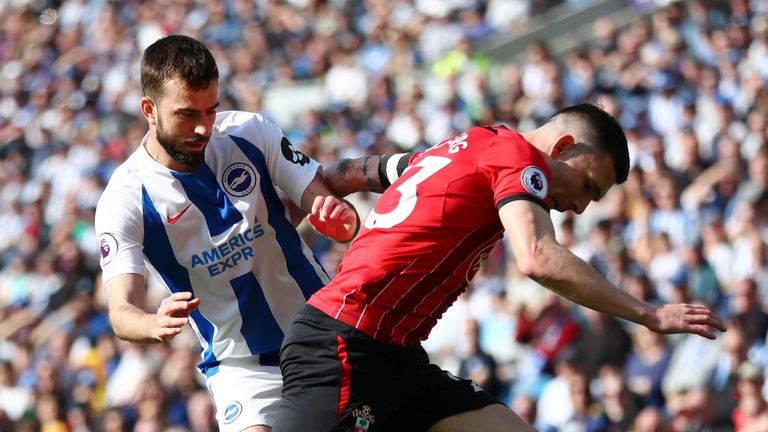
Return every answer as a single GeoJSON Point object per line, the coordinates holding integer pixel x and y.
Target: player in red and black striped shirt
{"type": "Point", "coordinates": [352, 360]}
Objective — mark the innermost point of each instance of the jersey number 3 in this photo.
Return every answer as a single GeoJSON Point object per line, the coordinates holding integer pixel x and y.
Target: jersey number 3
{"type": "Point", "coordinates": [407, 202]}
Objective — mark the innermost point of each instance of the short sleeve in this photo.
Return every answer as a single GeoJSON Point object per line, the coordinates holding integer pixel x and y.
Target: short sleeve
{"type": "Point", "coordinates": [120, 232]}
{"type": "Point", "coordinates": [290, 169]}
{"type": "Point", "coordinates": [515, 170]}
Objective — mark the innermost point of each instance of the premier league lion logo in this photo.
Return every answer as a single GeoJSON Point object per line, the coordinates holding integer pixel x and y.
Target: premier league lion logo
{"type": "Point", "coordinates": [107, 247]}
{"type": "Point", "coordinates": [537, 182]}
{"type": "Point", "coordinates": [534, 181]}
{"type": "Point", "coordinates": [104, 248]}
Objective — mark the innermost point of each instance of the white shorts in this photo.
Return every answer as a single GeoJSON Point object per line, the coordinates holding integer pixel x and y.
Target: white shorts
{"type": "Point", "coordinates": [245, 393]}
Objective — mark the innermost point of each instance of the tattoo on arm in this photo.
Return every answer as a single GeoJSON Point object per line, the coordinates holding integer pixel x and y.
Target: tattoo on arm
{"type": "Point", "coordinates": [354, 175]}
{"type": "Point", "coordinates": [372, 183]}
{"type": "Point", "coordinates": [344, 166]}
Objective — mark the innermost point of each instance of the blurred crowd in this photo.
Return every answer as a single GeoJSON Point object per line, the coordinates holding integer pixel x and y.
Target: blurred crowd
{"type": "Point", "coordinates": [686, 80]}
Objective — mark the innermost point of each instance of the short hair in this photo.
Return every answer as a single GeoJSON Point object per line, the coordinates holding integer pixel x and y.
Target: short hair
{"type": "Point", "coordinates": [176, 57]}
{"type": "Point", "coordinates": [604, 133]}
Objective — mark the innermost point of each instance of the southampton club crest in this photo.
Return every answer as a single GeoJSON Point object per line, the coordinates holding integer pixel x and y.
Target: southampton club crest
{"type": "Point", "coordinates": [478, 261]}
{"type": "Point", "coordinates": [534, 181]}
{"type": "Point", "coordinates": [363, 418]}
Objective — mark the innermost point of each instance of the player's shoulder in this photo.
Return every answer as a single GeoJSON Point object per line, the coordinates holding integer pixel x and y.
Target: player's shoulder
{"type": "Point", "coordinates": [242, 123]}
{"type": "Point", "coordinates": [130, 172]}
{"type": "Point", "coordinates": [513, 144]}
{"type": "Point", "coordinates": [505, 135]}
{"type": "Point", "coordinates": [125, 183]}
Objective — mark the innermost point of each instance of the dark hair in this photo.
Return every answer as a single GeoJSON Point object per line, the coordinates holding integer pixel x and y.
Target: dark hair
{"type": "Point", "coordinates": [176, 57]}
{"type": "Point", "coordinates": [604, 134]}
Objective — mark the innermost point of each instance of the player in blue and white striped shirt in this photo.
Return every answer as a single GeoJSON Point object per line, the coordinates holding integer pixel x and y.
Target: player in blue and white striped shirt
{"type": "Point", "coordinates": [197, 204]}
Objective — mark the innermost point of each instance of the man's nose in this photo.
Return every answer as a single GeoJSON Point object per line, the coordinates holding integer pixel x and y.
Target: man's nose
{"type": "Point", "coordinates": [204, 124]}
{"type": "Point", "coordinates": [202, 129]}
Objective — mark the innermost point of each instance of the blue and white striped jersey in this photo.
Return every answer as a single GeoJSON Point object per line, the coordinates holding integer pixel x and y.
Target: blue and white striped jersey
{"type": "Point", "coordinates": [220, 232]}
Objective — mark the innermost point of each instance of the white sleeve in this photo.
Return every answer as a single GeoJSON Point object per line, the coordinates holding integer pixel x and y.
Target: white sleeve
{"type": "Point", "coordinates": [290, 169]}
{"type": "Point", "coordinates": [120, 229]}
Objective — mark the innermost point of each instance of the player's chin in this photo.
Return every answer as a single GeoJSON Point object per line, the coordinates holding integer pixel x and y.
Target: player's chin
{"type": "Point", "coordinates": [554, 205]}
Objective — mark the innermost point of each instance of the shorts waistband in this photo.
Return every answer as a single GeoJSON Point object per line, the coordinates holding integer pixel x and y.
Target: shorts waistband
{"type": "Point", "coordinates": [311, 314]}
{"type": "Point", "coordinates": [268, 359]}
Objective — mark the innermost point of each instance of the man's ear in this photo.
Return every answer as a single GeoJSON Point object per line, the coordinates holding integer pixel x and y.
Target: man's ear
{"type": "Point", "coordinates": [563, 143]}
{"type": "Point", "coordinates": [149, 110]}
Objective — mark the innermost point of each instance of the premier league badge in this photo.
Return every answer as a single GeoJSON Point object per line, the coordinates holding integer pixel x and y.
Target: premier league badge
{"type": "Point", "coordinates": [107, 247]}
{"type": "Point", "coordinates": [534, 181]}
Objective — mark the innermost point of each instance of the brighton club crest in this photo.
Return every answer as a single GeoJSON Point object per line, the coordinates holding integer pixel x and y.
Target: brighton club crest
{"type": "Point", "coordinates": [363, 418]}
{"type": "Point", "coordinates": [239, 179]}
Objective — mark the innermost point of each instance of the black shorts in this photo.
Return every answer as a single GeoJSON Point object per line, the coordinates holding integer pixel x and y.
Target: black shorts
{"type": "Point", "coordinates": [337, 378]}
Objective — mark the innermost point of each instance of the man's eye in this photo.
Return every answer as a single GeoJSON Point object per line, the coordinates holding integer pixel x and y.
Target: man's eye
{"type": "Point", "coordinates": [184, 115]}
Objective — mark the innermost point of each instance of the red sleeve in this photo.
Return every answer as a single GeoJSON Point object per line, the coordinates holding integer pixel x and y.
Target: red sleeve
{"type": "Point", "coordinates": [515, 170]}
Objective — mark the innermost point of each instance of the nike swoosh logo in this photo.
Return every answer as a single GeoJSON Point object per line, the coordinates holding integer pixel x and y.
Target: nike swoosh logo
{"type": "Point", "coordinates": [172, 220]}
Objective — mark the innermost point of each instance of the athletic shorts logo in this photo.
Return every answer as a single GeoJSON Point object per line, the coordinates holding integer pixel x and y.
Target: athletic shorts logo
{"type": "Point", "coordinates": [232, 412]}
{"type": "Point", "coordinates": [363, 418]}
{"type": "Point", "coordinates": [239, 179]}
{"type": "Point", "coordinates": [292, 155]}
{"type": "Point", "coordinates": [534, 181]}
{"type": "Point", "coordinates": [107, 247]}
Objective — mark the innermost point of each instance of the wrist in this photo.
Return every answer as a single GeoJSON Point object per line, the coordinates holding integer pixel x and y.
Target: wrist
{"type": "Point", "coordinates": [647, 316]}
{"type": "Point", "coordinates": [357, 221]}
{"type": "Point", "coordinates": [154, 329]}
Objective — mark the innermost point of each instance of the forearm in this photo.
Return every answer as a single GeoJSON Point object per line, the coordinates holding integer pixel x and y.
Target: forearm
{"type": "Point", "coordinates": [340, 179]}
{"type": "Point", "coordinates": [133, 324]}
{"type": "Point", "coordinates": [328, 214]}
{"type": "Point", "coordinates": [295, 213]}
{"type": "Point", "coordinates": [573, 278]}
{"type": "Point", "coordinates": [354, 175]}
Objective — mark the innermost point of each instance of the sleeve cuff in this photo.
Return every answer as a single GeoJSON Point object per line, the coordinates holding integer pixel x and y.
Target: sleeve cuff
{"type": "Point", "coordinates": [522, 196]}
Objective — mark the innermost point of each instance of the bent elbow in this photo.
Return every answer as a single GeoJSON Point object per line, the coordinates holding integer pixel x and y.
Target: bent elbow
{"type": "Point", "coordinates": [118, 330]}
{"type": "Point", "coordinates": [531, 266]}
{"type": "Point", "coordinates": [120, 334]}
{"type": "Point", "coordinates": [539, 262]}
{"type": "Point", "coordinates": [116, 323]}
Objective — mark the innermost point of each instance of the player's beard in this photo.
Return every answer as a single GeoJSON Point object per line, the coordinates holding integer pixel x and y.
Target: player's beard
{"type": "Point", "coordinates": [175, 147]}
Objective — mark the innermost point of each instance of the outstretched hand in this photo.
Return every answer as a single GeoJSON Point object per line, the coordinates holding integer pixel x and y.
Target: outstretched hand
{"type": "Point", "coordinates": [173, 314]}
{"type": "Point", "coordinates": [686, 318]}
{"type": "Point", "coordinates": [334, 218]}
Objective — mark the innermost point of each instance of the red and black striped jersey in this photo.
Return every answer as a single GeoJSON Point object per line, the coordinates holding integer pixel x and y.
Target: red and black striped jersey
{"type": "Point", "coordinates": [429, 233]}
